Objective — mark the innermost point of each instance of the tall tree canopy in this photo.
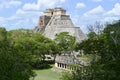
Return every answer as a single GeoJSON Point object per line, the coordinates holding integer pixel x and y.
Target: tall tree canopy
{"type": "Point", "coordinates": [14, 63]}
{"type": "Point", "coordinates": [66, 42]}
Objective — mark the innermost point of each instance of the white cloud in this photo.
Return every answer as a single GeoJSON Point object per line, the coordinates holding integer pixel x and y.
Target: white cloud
{"type": "Point", "coordinates": [80, 5]}
{"type": "Point", "coordinates": [35, 21]}
{"type": "Point", "coordinates": [2, 19]}
{"type": "Point", "coordinates": [20, 11]}
{"type": "Point", "coordinates": [19, 21]}
{"type": "Point", "coordinates": [115, 11]}
{"type": "Point", "coordinates": [15, 3]}
{"type": "Point", "coordinates": [31, 6]}
{"type": "Point", "coordinates": [12, 18]}
{"type": "Point", "coordinates": [62, 1]}
{"type": "Point", "coordinates": [110, 19]}
{"type": "Point", "coordinates": [19, 24]}
{"type": "Point", "coordinates": [95, 11]}
{"type": "Point", "coordinates": [27, 18]}
{"type": "Point", "coordinates": [101, 15]}
{"type": "Point", "coordinates": [42, 4]}
{"type": "Point", "coordinates": [9, 4]}
{"type": "Point", "coordinates": [22, 18]}
{"type": "Point", "coordinates": [48, 3]}
{"type": "Point", "coordinates": [28, 13]}
{"type": "Point", "coordinates": [97, 0]}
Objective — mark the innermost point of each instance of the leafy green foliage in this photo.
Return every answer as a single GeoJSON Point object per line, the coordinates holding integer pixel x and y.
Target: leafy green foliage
{"type": "Point", "coordinates": [20, 51]}
{"type": "Point", "coordinates": [14, 62]}
{"type": "Point", "coordinates": [106, 45]}
{"type": "Point", "coordinates": [73, 75]}
{"type": "Point", "coordinates": [65, 42]}
{"type": "Point", "coordinates": [92, 34]}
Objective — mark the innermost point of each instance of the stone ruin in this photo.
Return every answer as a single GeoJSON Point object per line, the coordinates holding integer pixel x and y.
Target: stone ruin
{"type": "Point", "coordinates": [64, 61]}
{"type": "Point", "coordinates": [55, 21]}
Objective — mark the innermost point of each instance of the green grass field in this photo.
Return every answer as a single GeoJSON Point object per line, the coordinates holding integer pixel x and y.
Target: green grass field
{"type": "Point", "coordinates": [46, 74]}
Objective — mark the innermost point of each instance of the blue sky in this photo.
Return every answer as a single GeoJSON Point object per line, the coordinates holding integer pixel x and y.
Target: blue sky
{"type": "Point", "coordinates": [15, 14]}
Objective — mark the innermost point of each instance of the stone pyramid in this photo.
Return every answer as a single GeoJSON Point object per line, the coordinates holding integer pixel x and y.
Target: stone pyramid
{"type": "Point", "coordinates": [56, 21]}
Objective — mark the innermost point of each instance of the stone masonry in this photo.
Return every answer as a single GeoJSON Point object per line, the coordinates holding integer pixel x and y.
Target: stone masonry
{"type": "Point", "coordinates": [55, 21]}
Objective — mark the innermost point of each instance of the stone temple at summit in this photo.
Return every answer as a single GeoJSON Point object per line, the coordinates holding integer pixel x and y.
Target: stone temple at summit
{"type": "Point", "coordinates": [55, 21]}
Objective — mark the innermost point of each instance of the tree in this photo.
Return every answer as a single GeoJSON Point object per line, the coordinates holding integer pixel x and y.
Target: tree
{"type": "Point", "coordinates": [3, 37]}
{"type": "Point", "coordinates": [66, 42]}
{"type": "Point", "coordinates": [27, 45]}
{"type": "Point", "coordinates": [14, 63]}
{"type": "Point", "coordinates": [97, 28]}
{"type": "Point", "coordinates": [106, 47]}
{"type": "Point", "coordinates": [42, 45]}
{"type": "Point", "coordinates": [91, 34]}
{"type": "Point", "coordinates": [53, 49]}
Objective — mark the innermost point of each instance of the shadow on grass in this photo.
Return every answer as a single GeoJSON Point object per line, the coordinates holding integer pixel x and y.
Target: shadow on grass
{"type": "Point", "coordinates": [43, 65]}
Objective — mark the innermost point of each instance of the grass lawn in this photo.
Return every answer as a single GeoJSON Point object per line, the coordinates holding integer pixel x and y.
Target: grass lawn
{"type": "Point", "coordinates": [46, 74]}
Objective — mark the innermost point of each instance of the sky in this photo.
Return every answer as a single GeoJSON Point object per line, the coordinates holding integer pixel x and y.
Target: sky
{"type": "Point", "coordinates": [16, 14]}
